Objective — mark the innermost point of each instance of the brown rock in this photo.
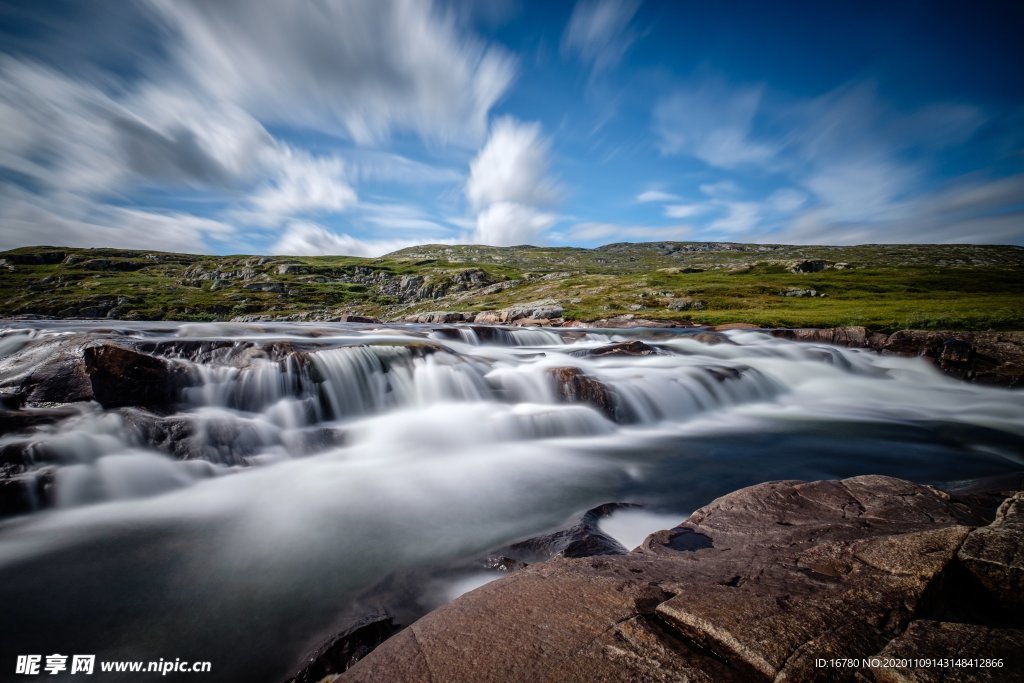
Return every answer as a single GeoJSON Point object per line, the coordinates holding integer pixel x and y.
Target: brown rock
{"type": "Point", "coordinates": [576, 387]}
{"type": "Point", "coordinates": [925, 639]}
{"type": "Point", "coordinates": [123, 377]}
{"type": "Point", "coordinates": [757, 585]}
{"type": "Point", "coordinates": [994, 554]}
{"type": "Point", "coordinates": [630, 348]}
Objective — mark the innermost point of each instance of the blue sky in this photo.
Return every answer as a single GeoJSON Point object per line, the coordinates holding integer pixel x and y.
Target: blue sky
{"type": "Point", "coordinates": [363, 126]}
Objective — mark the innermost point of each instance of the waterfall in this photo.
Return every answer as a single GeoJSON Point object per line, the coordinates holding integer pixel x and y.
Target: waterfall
{"type": "Point", "coordinates": [259, 395]}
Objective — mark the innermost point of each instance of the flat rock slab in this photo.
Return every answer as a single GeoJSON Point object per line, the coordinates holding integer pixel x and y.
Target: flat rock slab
{"type": "Point", "coordinates": [764, 583]}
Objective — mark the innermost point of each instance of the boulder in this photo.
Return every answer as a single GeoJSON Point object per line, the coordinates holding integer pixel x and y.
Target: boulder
{"type": "Point", "coordinates": [813, 266]}
{"type": "Point", "coordinates": [365, 319]}
{"type": "Point", "coordinates": [761, 584]}
{"type": "Point", "coordinates": [120, 376]}
{"type": "Point", "coordinates": [545, 308]}
{"type": "Point", "coordinates": [994, 555]}
{"type": "Point", "coordinates": [687, 304]}
{"type": "Point", "coordinates": [584, 539]}
{"type": "Point", "coordinates": [439, 317]}
{"type": "Point", "coordinates": [630, 348]}
{"type": "Point", "coordinates": [576, 387]}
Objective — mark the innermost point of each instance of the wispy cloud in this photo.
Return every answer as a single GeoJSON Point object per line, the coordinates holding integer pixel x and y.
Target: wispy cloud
{"type": "Point", "coordinates": [303, 238]}
{"type": "Point", "coordinates": [656, 196]}
{"type": "Point", "coordinates": [363, 67]}
{"type": "Point", "coordinates": [712, 121]}
{"type": "Point", "coordinates": [608, 232]}
{"type": "Point", "coordinates": [599, 31]}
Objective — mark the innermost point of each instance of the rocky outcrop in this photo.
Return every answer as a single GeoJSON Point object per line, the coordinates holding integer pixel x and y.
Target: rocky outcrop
{"type": "Point", "coordinates": [543, 310]}
{"type": "Point", "coordinates": [986, 357]}
{"type": "Point", "coordinates": [762, 584]}
{"type": "Point", "coordinates": [111, 374]}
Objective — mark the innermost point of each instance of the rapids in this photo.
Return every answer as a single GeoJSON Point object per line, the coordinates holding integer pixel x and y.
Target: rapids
{"type": "Point", "coordinates": [304, 466]}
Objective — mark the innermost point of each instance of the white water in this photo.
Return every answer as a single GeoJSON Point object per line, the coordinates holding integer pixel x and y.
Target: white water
{"type": "Point", "coordinates": [324, 458]}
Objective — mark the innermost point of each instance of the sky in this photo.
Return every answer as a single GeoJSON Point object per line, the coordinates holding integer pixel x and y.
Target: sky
{"type": "Point", "coordinates": [364, 126]}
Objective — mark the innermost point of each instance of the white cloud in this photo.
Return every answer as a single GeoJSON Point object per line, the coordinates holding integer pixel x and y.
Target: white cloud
{"type": "Point", "coordinates": [967, 210]}
{"type": "Point", "coordinates": [786, 200]}
{"type": "Point", "coordinates": [599, 31]}
{"type": "Point", "coordinates": [510, 224]}
{"type": "Point", "coordinates": [722, 188]}
{"type": "Point", "coordinates": [739, 217]}
{"type": "Point", "coordinates": [713, 122]}
{"type": "Point", "coordinates": [861, 189]}
{"type": "Point", "coordinates": [303, 185]}
{"type": "Point", "coordinates": [362, 67]}
{"type": "Point", "coordinates": [512, 167]}
{"type": "Point", "coordinates": [30, 219]}
{"type": "Point", "coordinates": [684, 210]}
{"type": "Point", "coordinates": [302, 238]}
{"type": "Point", "coordinates": [509, 185]}
{"type": "Point", "coordinates": [656, 196]}
{"type": "Point", "coordinates": [596, 231]}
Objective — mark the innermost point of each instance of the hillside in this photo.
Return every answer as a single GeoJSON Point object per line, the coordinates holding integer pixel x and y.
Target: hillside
{"type": "Point", "coordinates": [884, 287]}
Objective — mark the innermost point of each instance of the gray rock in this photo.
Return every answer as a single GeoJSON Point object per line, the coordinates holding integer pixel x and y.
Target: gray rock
{"type": "Point", "coordinates": [687, 304]}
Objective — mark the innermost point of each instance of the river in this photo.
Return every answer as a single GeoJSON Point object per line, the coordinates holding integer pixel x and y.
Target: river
{"type": "Point", "coordinates": [303, 470]}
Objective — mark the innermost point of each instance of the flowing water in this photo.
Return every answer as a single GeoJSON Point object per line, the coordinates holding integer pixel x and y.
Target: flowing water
{"type": "Point", "coordinates": [303, 465]}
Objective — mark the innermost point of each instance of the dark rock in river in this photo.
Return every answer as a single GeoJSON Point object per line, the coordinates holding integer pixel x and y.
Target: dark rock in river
{"type": "Point", "coordinates": [758, 585]}
{"type": "Point", "coordinates": [584, 539]}
{"type": "Point", "coordinates": [347, 647]}
{"type": "Point", "coordinates": [122, 377]}
{"type": "Point", "coordinates": [576, 387]}
{"type": "Point", "coordinates": [985, 357]}
{"type": "Point", "coordinates": [630, 348]}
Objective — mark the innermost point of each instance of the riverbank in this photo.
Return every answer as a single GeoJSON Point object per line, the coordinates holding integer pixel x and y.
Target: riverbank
{"type": "Point", "coordinates": [870, 577]}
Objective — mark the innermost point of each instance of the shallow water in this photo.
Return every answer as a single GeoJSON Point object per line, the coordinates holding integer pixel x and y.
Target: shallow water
{"type": "Point", "coordinates": [325, 458]}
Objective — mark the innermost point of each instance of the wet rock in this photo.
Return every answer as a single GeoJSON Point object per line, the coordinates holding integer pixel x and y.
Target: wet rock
{"type": "Point", "coordinates": [13, 421]}
{"type": "Point", "coordinates": [584, 539]}
{"type": "Point", "coordinates": [61, 378]}
{"type": "Point", "coordinates": [357, 319]}
{"type": "Point", "coordinates": [630, 348]}
{"type": "Point", "coordinates": [120, 376]}
{"type": "Point", "coordinates": [348, 646]}
{"type": "Point", "coordinates": [574, 386]}
{"type": "Point", "coordinates": [711, 338]}
{"type": "Point", "coordinates": [994, 555]}
{"type": "Point", "coordinates": [840, 336]}
{"type": "Point", "coordinates": [757, 585]}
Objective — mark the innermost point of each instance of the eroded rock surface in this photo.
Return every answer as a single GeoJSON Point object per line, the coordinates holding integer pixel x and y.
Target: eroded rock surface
{"type": "Point", "coordinates": [758, 585]}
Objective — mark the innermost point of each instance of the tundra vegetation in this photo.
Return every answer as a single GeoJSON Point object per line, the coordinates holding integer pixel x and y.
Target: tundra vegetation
{"type": "Point", "coordinates": [883, 287]}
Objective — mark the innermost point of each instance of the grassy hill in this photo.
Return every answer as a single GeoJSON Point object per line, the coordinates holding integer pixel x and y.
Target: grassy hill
{"type": "Point", "coordinates": [881, 286]}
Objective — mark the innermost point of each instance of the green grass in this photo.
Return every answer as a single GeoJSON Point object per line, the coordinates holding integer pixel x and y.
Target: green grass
{"type": "Point", "coordinates": [886, 287]}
